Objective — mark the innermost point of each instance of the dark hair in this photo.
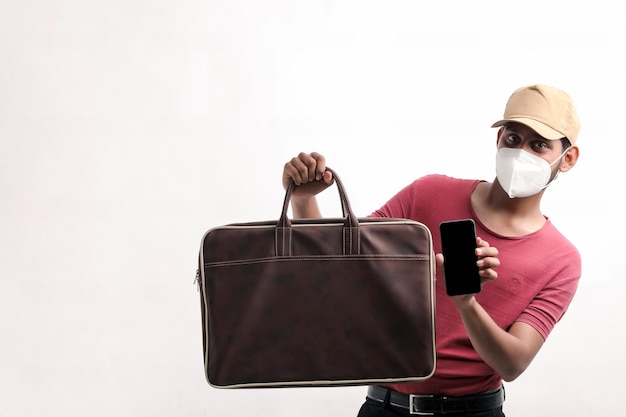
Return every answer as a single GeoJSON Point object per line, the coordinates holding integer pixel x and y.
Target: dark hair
{"type": "Point", "coordinates": [565, 143]}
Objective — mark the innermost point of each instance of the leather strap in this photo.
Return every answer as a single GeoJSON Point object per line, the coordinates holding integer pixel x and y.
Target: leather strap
{"type": "Point", "coordinates": [431, 404]}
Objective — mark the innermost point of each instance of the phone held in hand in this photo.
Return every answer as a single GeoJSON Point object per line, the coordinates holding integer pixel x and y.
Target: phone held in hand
{"type": "Point", "coordinates": [458, 245]}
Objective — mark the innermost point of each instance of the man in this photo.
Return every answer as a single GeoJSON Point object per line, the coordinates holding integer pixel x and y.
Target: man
{"type": "Point", "coordinates": [484, 338]}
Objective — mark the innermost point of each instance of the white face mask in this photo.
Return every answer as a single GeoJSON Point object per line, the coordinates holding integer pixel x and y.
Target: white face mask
{"type": "Point", "coordinates": [522, 174]}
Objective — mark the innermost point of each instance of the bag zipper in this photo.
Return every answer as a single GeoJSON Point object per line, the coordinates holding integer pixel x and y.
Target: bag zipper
{"type": "Point", "coordinates": [196, 280]}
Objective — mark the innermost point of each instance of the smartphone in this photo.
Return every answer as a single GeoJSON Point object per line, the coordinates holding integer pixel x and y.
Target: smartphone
{"type": "Point", "coordinates": [458, 245]}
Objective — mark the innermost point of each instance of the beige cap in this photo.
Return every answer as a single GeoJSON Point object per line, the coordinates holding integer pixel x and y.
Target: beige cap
{"type": "Point", "coordinates": [547, 110]}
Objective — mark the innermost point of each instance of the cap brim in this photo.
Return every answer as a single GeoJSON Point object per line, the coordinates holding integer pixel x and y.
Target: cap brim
{"type": "Point", "coordinates": [545, 131]}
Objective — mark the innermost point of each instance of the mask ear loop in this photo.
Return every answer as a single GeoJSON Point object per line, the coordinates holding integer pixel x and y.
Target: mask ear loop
{"type": "Point", "coordinates": [559, 159]}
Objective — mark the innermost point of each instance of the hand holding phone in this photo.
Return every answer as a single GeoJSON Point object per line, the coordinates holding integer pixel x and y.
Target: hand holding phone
{"type": "Point", "coordinates": [458, 245]}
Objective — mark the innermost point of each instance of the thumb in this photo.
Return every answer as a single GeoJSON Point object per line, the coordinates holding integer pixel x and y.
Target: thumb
{"type": "Point", "coordinates": [327, 176]}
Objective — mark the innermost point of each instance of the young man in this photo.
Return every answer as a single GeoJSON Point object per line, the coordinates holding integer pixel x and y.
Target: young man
{"type": "Point", "coordinates": [484, 338]}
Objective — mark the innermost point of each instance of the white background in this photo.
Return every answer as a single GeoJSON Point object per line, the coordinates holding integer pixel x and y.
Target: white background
{"type": "Point", "coordinates": [129, 128]}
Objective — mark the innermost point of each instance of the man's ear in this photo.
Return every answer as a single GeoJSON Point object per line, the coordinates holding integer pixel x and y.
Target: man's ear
{"type": "Point", "coordinates": [569, 159]}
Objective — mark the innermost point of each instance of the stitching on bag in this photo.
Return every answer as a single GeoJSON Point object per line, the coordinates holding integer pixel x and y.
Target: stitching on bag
{"type": "Point", "coordinates": [351, 242]}
{"type": "Point", "coordinates": [283, 241]}
{"type": "Point", "coordinates": [289, 242]}
{"type": "Point", "coordinates": [351, 238]}
{"type": "Point", "coordinates": [409, 258]}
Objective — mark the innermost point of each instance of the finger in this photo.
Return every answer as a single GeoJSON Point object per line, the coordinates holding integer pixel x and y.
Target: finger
{"type": "Point", "coordinates": [327, 176]}
{"type": "Point", "coordinates": [320, 166]}
{"type": "Point", "coordinates": [292, 172]}
{"type": "Point", "coordinates": [488, 274]}
{"type": "Point", "coordinates": [481, 243]}
{"type": "Point", "coordinates": [439, 259]}
{"type": "Point", "coordinates": [307, 165]}
{"type": "Point", "coordinates": [489, 262]}
{"type": "Point", "coordinates": [484, 250]}
{"type": "Point", "coordinates": [299, 168]}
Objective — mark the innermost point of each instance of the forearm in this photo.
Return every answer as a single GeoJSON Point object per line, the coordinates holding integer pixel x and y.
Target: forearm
{"type": "Point", "coordinates": [508, 353]}
{"type": "Point", "coordinates": [305, 208]}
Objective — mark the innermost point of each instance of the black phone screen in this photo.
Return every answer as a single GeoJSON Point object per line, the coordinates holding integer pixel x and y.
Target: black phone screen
{"type": "Point", "coordinates": [458, 245]}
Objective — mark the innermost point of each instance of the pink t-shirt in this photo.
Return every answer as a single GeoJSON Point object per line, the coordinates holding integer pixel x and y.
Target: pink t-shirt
{"type": "Point", "coordinates": [537, 278]}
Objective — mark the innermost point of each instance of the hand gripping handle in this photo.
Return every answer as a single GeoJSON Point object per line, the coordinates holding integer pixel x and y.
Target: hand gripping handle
{"type": "Point", "coordinates": [350, 228]}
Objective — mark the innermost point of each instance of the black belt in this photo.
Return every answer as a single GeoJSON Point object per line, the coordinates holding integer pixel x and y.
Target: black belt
{"type": "Point", "coordinates": [432, 404]}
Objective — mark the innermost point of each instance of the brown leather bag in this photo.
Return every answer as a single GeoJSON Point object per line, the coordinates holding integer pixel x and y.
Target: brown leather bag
{"type": "Point", "coordinates": [317, 302]}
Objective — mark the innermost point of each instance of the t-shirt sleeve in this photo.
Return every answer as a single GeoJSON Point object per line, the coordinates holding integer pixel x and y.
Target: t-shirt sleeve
{"type": "Point", "coordinates": [399, 205]}
{"type": "Point", "coordinates": [415, 200]}
{"type": "Point", "coordinates": [551, 303]}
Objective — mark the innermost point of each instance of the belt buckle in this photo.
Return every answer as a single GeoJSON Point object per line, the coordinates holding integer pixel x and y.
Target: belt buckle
{"type": "Point", "coordinates": [412, 409]}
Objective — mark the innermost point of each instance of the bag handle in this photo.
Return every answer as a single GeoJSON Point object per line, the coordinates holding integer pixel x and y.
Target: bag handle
{"type": "Point", "coordinates": [351, 241]}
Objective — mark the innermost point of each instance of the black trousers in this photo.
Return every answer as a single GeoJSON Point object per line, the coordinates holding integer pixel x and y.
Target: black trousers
{"type": "Point", "coordinates": [373, 408]}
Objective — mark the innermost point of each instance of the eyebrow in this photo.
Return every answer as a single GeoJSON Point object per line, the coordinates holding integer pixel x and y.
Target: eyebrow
{"type": "Point", "coordinates": [535, 135]}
